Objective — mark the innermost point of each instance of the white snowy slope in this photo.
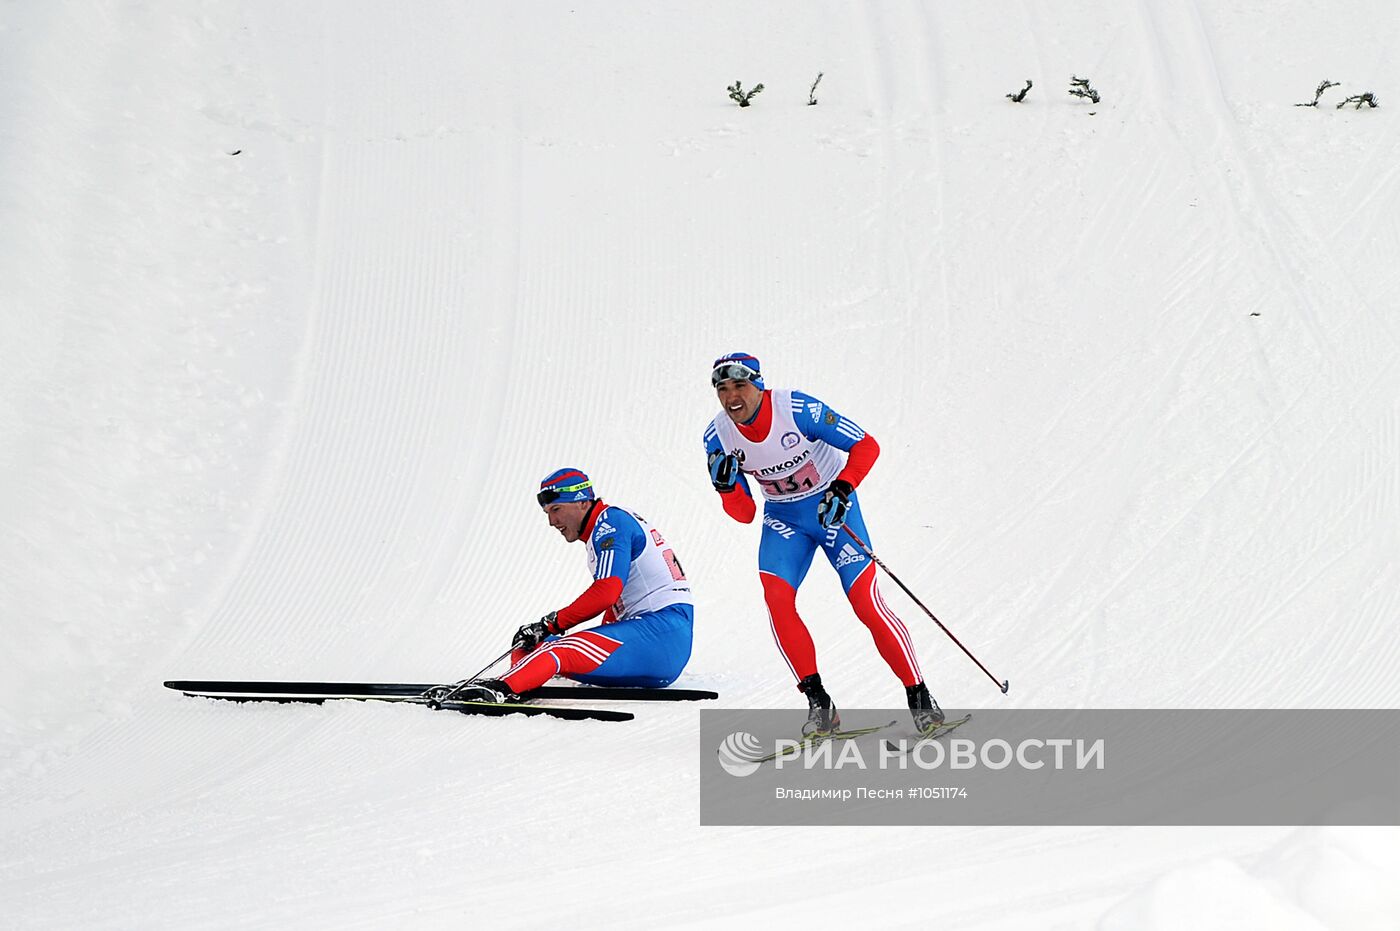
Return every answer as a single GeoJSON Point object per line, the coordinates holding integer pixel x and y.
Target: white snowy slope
{"type": "Point", "coordinates": [299, 302]}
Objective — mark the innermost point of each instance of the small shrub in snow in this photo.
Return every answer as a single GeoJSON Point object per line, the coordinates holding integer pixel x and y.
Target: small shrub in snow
{"type": "Point", "coordinates": [1021, 94]}
{"type": "Point", "coordinates": [1359, 99]}
{"type": "Point", "coordinates": [1080, 88]}
{"type": "Point", "coordinates": [741, 96]}
{"type": "Point", "coordinates": [1321, 89]}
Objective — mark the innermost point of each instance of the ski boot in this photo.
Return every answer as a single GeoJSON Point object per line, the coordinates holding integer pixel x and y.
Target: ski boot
{"type": "Point", "coordinates": [490, 691]}
{"type": "Point", "coordinates": [822, 716]}
{"type": "Point", "coordinates": [927, 714]}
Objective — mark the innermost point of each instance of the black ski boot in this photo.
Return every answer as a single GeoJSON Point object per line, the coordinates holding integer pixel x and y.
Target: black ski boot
{"type": "Point", "coordinates": [822, 716]}
{"type": "Point", "coordinates": [490, 691]}
{"type": "Point", "coordinates": [927, 714]}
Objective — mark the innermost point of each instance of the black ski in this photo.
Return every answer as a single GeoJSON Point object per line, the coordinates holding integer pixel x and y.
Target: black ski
{"type": "Point", "coordinates": [568, 713]}
{"type": "Point", "coordinates": [317, 692]}
{"type": "Point", "coordinates": [546, 711]}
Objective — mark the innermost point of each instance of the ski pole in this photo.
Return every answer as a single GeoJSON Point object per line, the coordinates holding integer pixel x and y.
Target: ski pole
{"type": "Point", "coordinates": [483, 669]}
{"type": "Point", "coordinates": [436, 696]}
{"type": "Point", "coordinates": [1003, 684]}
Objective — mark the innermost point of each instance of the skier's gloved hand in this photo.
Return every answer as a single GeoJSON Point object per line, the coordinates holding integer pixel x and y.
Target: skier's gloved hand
{"type": "Point", "coordinates": [532, 635]}
{"type": "Point", "coordinates": [724, 471]}
{"type": "Point", "coordinates": [835, 503]}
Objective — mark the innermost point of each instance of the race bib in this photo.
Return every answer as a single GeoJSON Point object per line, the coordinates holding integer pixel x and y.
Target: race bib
{"type": "Point", "coordinates": [798, 482]}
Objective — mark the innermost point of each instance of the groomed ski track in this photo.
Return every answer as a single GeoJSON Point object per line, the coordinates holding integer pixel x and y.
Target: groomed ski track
{"type": "Point", "coordinates": [279, 414]}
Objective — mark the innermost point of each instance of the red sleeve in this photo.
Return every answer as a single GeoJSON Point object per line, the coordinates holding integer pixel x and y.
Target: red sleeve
{"type": "Point", "coordinates": [600, 596]}
{"type": "Point", "coordinates": [860, 460]}
{"type": "Point", "coordinates": [738, 504]}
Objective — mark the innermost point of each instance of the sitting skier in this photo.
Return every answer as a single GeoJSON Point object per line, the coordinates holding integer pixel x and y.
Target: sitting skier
{"type": "Point", "coordinates": [638, 587]}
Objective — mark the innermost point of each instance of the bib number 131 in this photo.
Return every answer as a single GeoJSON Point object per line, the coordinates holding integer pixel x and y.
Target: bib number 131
{"type": "Point", "coordinates": [804, 479]}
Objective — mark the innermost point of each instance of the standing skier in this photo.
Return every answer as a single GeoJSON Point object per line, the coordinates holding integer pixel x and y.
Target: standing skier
{"type": "Point", "coordinates": [638, 587]}
{"type": "Point", "coordinates": [808, 461]}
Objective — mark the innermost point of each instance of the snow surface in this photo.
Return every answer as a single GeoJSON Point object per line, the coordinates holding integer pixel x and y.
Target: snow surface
{"type": "Point", "coordinates": [299, 301]}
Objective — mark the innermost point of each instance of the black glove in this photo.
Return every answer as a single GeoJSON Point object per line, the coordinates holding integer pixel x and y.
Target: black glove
{"type": "Point", "coordinates": [724, 471]}
{"type": "Point", "coordinates": [532, 635]}
{"type": "Point", "coordinates": [832, 509]}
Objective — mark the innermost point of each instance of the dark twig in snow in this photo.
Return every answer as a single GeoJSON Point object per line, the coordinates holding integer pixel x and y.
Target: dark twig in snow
{"type": "Point", "coordinates": [741, 96]}
{"type": "Point", "coordinates": [1020, 95]}
{"type": "Point", "coordinates": [1321, 88]}
{"type": "Point", "coordinates": [1360, 100]}
{"type": "Point", "coordinates": [1081, 88]}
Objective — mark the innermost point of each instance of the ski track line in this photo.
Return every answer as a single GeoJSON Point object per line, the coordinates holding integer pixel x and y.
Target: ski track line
{"type": "Point", "coordinates": [1331, 545]}
{"type": "Point", "coordinates": [1308, 470]}
{"type": "Point", "coordinates": [385, 347]}
{"type": "Point", "coordinates": [1018, 515]}
{"type": "Point", "coordinates": [1259, 207]}
{"type": "Point", "coordinates": [1198, 76]}
{"type": "Point", "coordinates": [502, 496]}
{"type": "Point", "coordinates": [501, 409]}
{"type": "Point", "coordinates": [932, 78]}
{"type": "Point", "coordinates": [1229, 470]}
{"type": "Point", "coordinates": [912, 167]}
{"type": "Point", "coordinates": [1337, 279]}
{"type": "Point", "coordinates": [1379, 190]}
{"type": "Point", "coordinates": [1171, 375]}
{"type": "Point", "coordinates": [880, 71]}
{"type": "Point", "coordinates": [311, 508]}
{"type": "Point", "coordinates": [1220, 477]}
{"type": "Point", "coordinates": [274, 467]}
{"type": "Point", "coordinates": [475, 416]}
{"type": "Point", "coordinates": [272, 547]}
{"type": "Point", "coordinates": [1384, 472]}
{"type": "Point", "coordinates": [898, 53]}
